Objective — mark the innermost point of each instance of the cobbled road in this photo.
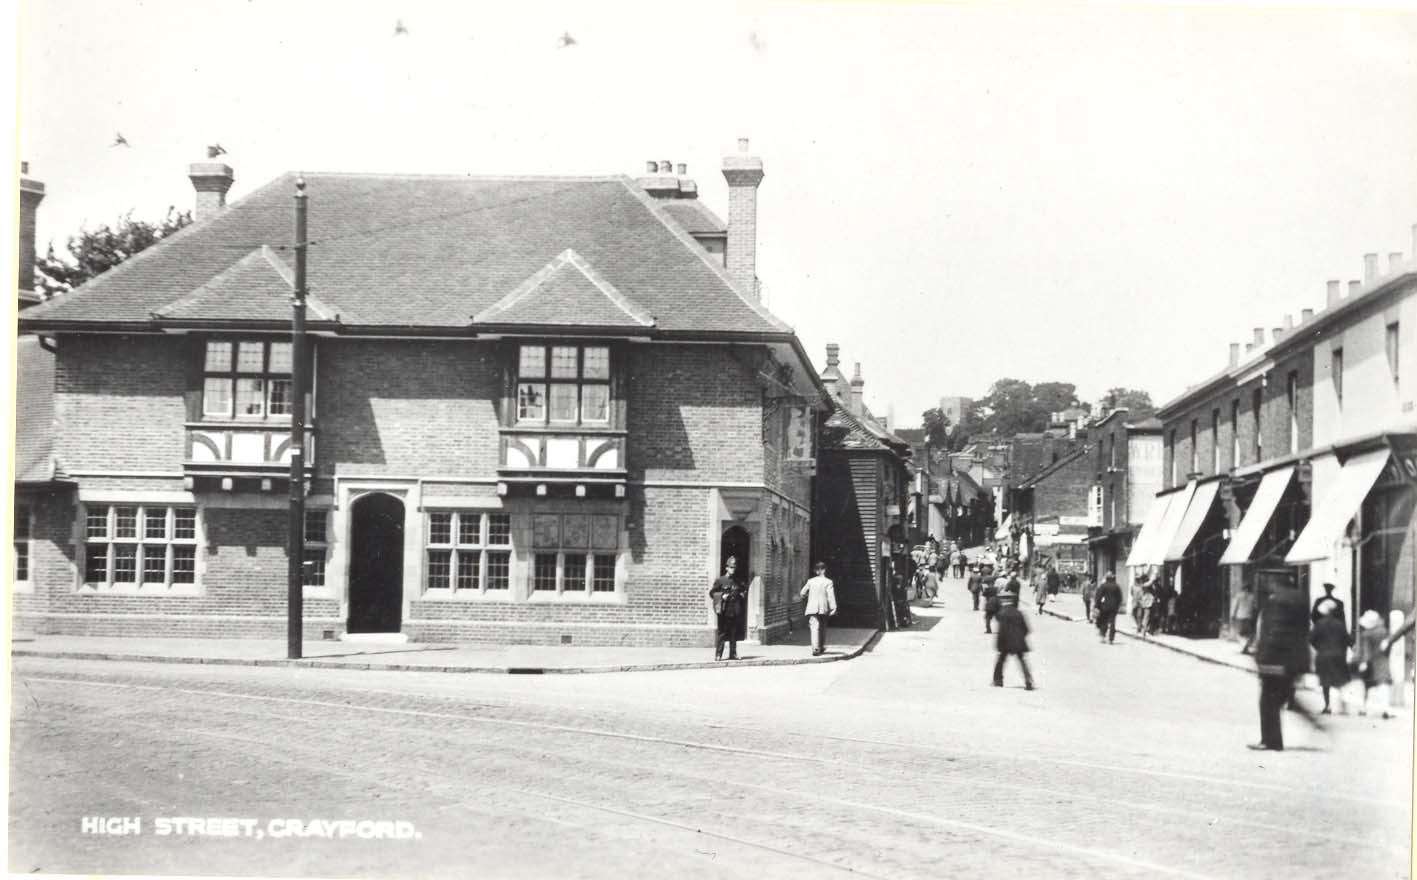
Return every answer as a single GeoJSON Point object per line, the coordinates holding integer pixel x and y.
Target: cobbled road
{"type": "Point", "coordinates": [1127, 761]}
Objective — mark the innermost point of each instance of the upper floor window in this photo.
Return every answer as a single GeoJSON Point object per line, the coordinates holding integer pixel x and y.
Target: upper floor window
{"type": "Point", "coordinates": [1195, 458]}
{"type": "Point", "coordinates": [21, 537]}
{"type": "Point", "coordinates": [1235, 433]}
{"type": "Point", "coordinates": [1336, 371]}
{"type": "Point", "coordinates": [1392, 351]}
{"type": "Point", "coordinates": [246, 379]}
{"type": "Point", "coordinates": [1112, 450]}
{"type": "Point", "coordinates": [563, 385]}
{"type": "Point", "coordinates": [1171, 451]}
{"type": "Point", "coordinates": [1215, 441]}
{"type": "Point", "coordinates": [1291, 395]}
{"type": "Point", "coordinates": [1256, 402]}
{"type": "Point", "coordinates": [131, 545]}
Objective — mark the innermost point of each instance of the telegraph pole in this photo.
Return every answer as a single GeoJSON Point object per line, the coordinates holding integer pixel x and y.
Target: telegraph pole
{"type": "Point", "coordinates": [295, 553]}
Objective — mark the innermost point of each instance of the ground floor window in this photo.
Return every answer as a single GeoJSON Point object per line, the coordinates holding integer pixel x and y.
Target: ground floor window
{"type": "Point", "coordinates": [21, 539]}
{"type": "Point", "coordinates": [317, 547]}
{"type": "Point", "coordinates": [574, 554]}
{"type": "Point", "coordinates": [468, 552]}
{"type": "Point", "coordinates": [131, 545]}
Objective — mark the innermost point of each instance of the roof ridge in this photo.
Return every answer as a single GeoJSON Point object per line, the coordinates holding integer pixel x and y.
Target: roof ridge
{"type": "Point", "coordinates": [450, 175]}
{"type": "Point", "coordinates": [688, 241]}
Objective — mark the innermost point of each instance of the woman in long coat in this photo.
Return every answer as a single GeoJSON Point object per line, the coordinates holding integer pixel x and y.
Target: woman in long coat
{"type": "Point", "coordinates": [1330, 639]}
{"type": "Point", "coordinates": [1372, 660]}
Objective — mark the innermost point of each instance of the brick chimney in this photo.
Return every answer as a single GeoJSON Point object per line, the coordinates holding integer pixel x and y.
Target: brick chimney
{"type": "Point", "coordinates": [211, 180]}
{"type": "Point", "coordinates": [1370, 268]}
{"type": "Point", "coordinates": [858, 386]}
{"type": "Point", "coordinates": [1234, 354]}
{"type": "Point", "coordinates": [743, 172]}
{"type": "Point", "coordinates": [31, 194]}
{"type": "Point", "coordinates": [1354, 287]}
{"type": "Point", "coordinates": [1394, 262]}
{"type": "Point", "coordinates": [1335, 293]}
{"type": "Point", "coordinates": [831, 376]}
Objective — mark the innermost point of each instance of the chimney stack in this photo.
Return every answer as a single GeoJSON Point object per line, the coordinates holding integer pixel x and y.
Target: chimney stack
{"type": "Point", "coordinates": [1394, 262]}
{"type": "Point", "coordinates": [1306, 316]}
{"type": "Point", "coordinates": [681, 169]}
{"type": "Point", "coordinates": [831, 376]}
{"type": "Point", "coordinates": [743, 172]}
{"type": "Point", "coordinates": [31, 194]}
{"type": "Point", "coordinates": [1370, 268]}
{"type": "Point", "coordinates": [1259, 337]}
{"type": "Point", "coordinates": [857, 390]}
{"type": "Point", "coordinates": [651, 167]}
{"type": "Point", "coordinates": [1334, 293]}
{"type": "Point", "coordinates": [1234, 354]}
{"type": "Point", "coordinates": [1277, 334]}
{"type": "Point", "coordinates": [1353, 288]}
{"type": "Point", "coordinates": [1288, 323]}
{"type": "Point", "coordinates": [666, 167]}
{"type": "Point", "coordinates": [211, 180]}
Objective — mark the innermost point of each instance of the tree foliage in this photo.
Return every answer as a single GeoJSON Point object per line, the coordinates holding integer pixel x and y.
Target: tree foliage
{"type": "Point", "coordinates": [95, 251]}
{"type": "Point", "coordinates": [1013, 406]}
{"type": "Point", "coordinates": [937, 427]}
{"type": "Point", "coordinates": [1136, 402]}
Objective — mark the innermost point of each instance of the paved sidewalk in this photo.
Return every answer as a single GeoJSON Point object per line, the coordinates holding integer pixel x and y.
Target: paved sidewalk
{"type": "Point", "coordinates": [1223, 652]}
{"type": "Point", "coordinates": [842, 644]}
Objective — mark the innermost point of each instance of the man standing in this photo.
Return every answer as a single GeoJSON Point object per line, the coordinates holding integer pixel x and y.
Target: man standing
{"type": "Point", "coordinates": [991, 598]}
{"type": "Point", "coordinates": [957, 557]}
{"type": "Point", "coordinates": [1109, 602]}
{"type": "Point", "coordinates": [976, 586]}
{"type": "Point", "coordinates": [1089, 589]}
{"type": "Point", "coordinates": [1054, 581]}
{"type": "Point", "coordinates": [1326, 604]}
{"type": "Point", "coordinates": [820, 594]}
{"type": "Point", "coordinates": [1012, 639]}
{"type": "Point", "coordinates": [727, 597]}
{"type": "Point", "coordinates": [1282, 656]}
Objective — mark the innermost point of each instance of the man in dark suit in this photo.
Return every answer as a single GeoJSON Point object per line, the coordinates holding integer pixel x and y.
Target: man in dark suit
{"type": "Point", "coordinates": [727, 595]}
{"type": "Point", "coordinates": [1282, 656]}
{"type": "Point", "coordinates": [1109, 602]}
{"type": "Point", "coordinates": [1325, 603]}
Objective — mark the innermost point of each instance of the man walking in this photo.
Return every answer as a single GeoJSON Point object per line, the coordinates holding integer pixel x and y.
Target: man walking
{"type": "Point", "coordinates": [820, 594]}
{"type": "Point", "coordinates": [1244, 614]}
{"type": "Point", "coordinates": [976, 586]}
{"type": "Point", "coordinates": [1012, 639]}
{"type": "Point", "coordinates": [727, 598]}
{"type": "Point", "coordinates": [991, 598]}
{"type": "Point", "coordinates": [1089, 589]}
{"type": "Point", "coordinates": [1282, 656]}
{"type": "Point", "coordinates": [1109, 602]}
{"type": "Point", "coordinates": [957, 557]}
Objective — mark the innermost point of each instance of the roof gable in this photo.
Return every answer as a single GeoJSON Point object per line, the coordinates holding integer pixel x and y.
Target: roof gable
{"type": "Point", "coordinates": [566, 291]}
{"type": "Point", "coordinates": [256, 287]}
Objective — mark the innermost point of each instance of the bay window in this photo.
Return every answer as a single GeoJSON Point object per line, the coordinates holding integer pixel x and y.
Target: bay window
{"type": "Point", "coordinates": [563, 385]}
{"type": "Point", "coordinates": [246, 379]}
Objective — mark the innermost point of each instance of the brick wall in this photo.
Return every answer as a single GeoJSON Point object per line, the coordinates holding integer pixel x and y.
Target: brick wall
{"type": "Point", "coordinates": [118, 402]}
{"type": "Point", "coordinates": [1064, 491]}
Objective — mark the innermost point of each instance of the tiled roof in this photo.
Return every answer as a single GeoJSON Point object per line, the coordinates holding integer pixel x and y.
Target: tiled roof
{"type": "Point", "coordinates": [566, 291]}
{"type": "Point", "coordinates": [845, 430]}
{"type": "Point", "coordinates": [255, 287]}
{"type": "Point", "coordinates": [34, 412]}
{"type": "Point", "coordinates": [694, 216]}
{"type": "Point", "coordinates": [390, 250]}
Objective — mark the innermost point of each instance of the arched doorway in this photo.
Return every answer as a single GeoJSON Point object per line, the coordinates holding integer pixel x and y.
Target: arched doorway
{"type": "Point", "coordinates": [736, 542]}
{"type": "Point", "coordinates": [376, 564]}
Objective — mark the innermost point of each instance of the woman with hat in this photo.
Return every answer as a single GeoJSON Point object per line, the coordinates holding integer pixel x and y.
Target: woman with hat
{"type": "Point", "coordinates": [1372, 660]}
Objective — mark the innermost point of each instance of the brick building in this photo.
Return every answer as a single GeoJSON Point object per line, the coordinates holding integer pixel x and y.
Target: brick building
{"type": "Point", "coordinates": [1127, 458]}
{"type": "Point", "coordinates": [543, 411]}
{"type": "Point", "coordinates": [862, 486]}
{"type": "Point", "coordinates": [1272, 464]}
{"type": "Point", "coordinates": [1049, 511]}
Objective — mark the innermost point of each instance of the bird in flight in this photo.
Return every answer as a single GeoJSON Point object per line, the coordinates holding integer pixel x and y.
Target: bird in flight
{"type": "Point", "coordinates": [565, 41]}
{"type": "Point", "coordinates": [119, 140]}
{"type": "Point", "coordinates": [399, 29]}
{"type": "Point", "coordinates": [215, 150]}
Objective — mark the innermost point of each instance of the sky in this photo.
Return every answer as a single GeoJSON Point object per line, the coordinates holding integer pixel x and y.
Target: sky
{"type": "Point", "coordinates": [954, 193]}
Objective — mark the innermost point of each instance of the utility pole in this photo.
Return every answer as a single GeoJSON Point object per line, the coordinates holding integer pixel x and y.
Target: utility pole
{"type": "Point", "coordinates": [295, 552]}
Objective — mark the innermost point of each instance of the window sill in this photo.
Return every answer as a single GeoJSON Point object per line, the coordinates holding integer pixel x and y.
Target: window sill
{"type": "Point", "coordinates": [282, 422]}
{"type": "Point", "coordinates": [546, 597]}
{"type": "Point", "coordinates": [494, 596]}
{"type": "Point", "coordinates": [143, 592]}
{"type": "Point", "coordinates": [568, 428]}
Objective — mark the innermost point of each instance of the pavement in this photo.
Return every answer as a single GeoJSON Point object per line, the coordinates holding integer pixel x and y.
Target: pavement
{"type": "Point", "coordinates": [1126, 761]}
{"type": "Point", "coordinates": [843, 643]}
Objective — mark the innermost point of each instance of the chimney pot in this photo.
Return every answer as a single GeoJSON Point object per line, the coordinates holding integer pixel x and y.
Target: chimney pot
{"type": "Point", "coordinates": [1334, 293]}
{"type": "Point", "coordinates": [742, 145]}
{"type": "Point", "coordinates": [857, 390]}
{"type": "Point", "coordinates": [1234, 354]}
{"type": "Point", "coordinates": [1249, 347]}
{"type": "Point", "coordinates": [833, 354]}
{"type": "Point", "coordinates": [1306, 316]}
{"type": "Point", "coordinates": [1259, 336]}
{"type": "Point", "coordinates": [651, 166]}
{"type": "Point", "coordinates": [1394, 262]}
{"type": "Point", "coordinates": [1288, 322]}
{"type": "Point", "coordinates": [1370, 268]}
{"type": "Point", "coordinates": [1277, 334]}
{"type": "Point", "coordinates": [666, 167]}
{"type": "Point", "coordinates": [1354, 287]}
{"type": "Point", "coordinates": [681, 169]}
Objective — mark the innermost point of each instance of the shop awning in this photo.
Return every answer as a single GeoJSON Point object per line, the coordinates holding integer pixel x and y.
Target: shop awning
{"type": "Point", "coordinates": [1201, 501]}
{"type": "Point", "coordinates": [1257, 517]}
{"type": "Point", "coordinates": [1155, 551]}
{"type": "Point", "coordinates": [1151, 524]}
{"type": "Point", "coordinates": [1337, 507]}
{"type": "Point", "coordinates": [1002, 533]}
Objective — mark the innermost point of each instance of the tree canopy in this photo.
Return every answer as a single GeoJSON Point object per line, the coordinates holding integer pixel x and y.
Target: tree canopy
{"type": "Point", "coordinates": [1013, 406]}
{"type": "Point", "coordinates": [95, 251]}
{"type": "Point", "coordinates": [1136, 402]}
